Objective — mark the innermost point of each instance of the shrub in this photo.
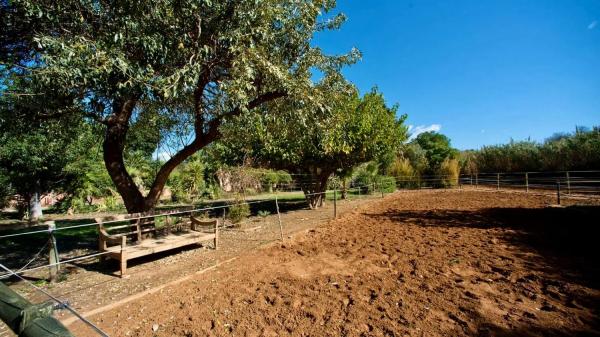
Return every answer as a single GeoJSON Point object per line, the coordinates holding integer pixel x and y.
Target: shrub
{"type": "Point", "coordinates": [449, 172]}
{"type": "Point", "coordinates": [239, 211]}
{"type": "Point", "coordinates": [263, 213]}
{"type": "Point", "coordinates": [405, 174]}
{"type": "Point", "coordinates": [387, 183]}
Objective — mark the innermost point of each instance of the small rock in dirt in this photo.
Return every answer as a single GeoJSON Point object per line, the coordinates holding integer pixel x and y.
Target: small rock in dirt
{"type": "Point", "coordinates": [154, 327]}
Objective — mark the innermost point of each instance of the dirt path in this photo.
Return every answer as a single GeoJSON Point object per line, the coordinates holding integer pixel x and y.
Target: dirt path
{"type": "Point", "coordinates": [420, 263]}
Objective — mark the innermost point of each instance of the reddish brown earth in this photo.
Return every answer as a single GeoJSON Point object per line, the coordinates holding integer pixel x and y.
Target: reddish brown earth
{"type": "Point", "coordinates": [423, 263]}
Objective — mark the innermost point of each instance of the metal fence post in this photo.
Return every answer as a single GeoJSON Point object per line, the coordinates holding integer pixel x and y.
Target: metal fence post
{"type": "Point", "coordinates": [52, 252]}
{"type": "Point", "coordinates": [526, 181]}
{"type": "Point", "coordinates": [334, 201]}
{"type": "Point", "coordinates": [278, 216]}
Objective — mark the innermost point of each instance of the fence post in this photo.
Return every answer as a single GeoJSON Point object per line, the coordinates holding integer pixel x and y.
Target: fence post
{"type": "Point", "coordinates": [476, 180]}
{"type": "Point", "coordinates": [526, 181]}
{"type": "Point", "coordinates": [498, 181]}
{"type": "Point", "coordinates": [53, 252]}
{"type": "Point", "coordinates": [558, 191]}
{"type": "Point", "coordinates": [381, 188]}
{"type": "Point", "coordinates": [278, 217]}
{"type": "Point", "coordinates": [334, 201]}
{"type": "Point", "coordinates": [568, 183]}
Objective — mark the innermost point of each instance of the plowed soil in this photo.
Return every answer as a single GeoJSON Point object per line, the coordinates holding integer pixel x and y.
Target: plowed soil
{"type": "Point", "coordinates": [423, 263]}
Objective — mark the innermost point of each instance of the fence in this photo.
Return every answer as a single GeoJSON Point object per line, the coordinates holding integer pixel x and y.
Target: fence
{"type": "Point", "coordinates": [573, 182]}
{"type": "Point", "coordinates": [583, 183]}
{"type": "Point", "coordinates": [46, 238]}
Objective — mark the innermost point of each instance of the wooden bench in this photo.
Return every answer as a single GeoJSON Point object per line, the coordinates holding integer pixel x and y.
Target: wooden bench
{"type": "Point", "coordinates": [113, 240]}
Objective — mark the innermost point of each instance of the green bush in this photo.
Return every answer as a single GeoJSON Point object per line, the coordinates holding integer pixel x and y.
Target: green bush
{"type": "Point", "coordinates": [387, 183]}
{"type": "Point", "coordinates": [239, 211]}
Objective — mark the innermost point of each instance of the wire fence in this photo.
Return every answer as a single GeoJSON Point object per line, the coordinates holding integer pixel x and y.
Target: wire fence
{"type": "Point", "coordinates": [581, 183]}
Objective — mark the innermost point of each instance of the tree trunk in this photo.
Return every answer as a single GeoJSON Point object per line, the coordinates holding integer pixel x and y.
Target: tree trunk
{"type": "Point", "coordinates": [35, 207]}
{"type": "Point", "coordinates": [314, 186]}
{"type": "Point", "coordinates": [114, 144]}
{"type": "Point", "coordinates": [113, 147]}
{"type": "Point", "coordinates": [344, 189]}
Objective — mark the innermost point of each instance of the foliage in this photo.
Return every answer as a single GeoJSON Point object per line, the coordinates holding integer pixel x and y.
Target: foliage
{"type": "Point", "coordinates": [386, 183]}
{"type": "Point", "coordinates": [449, 172]}
{"type": "Point", "coordinates": [416, 156]}
{"type": "Point", "coordinates": [5, 188]}
{"type": "Point", "coordinates": [577, 151]}
{"type": "Point", "coordinates": [173, 72]}
{"type": "Point", "coordinates": [404, 172]}
{"type": "Point", "coordinates": [437, 149]}
{"type": "Point", "coordinates": [35, 152]}
{"type": "Point", "coordinates": [353, 131]}
{"type": "Point", "coordinates": [239, 211]}
{"type": "Point", "coordinates": [187, 182]}
{"type": "Point", "coordinates": [365, 177]}
{"type": "Point", "coordinates": [263, 213]}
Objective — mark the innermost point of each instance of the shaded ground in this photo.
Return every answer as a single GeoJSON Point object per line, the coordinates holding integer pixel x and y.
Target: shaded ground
{"type": "Point", "coordinates": [422, 263]}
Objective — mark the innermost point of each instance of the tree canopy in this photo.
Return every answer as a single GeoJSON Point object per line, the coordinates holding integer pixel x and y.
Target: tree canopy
{"type": "Point", "coordinates": [356, 130]}
{"type": "Point", "coordinates": [437, 149]}
{"type": "Point", "coordinates": [192, 65]}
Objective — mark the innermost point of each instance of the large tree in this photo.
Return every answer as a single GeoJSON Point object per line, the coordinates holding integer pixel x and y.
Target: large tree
{"type": "Point", "coordinates": [195, 63]}
{"type": "Point", "coordinates": [355, 130]}
{"type": "Point", "coordinates": [437, 149]}
{"type": "Point", "coordinates": [34, 152]}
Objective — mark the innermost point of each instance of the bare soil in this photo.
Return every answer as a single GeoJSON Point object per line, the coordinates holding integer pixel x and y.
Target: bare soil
{"type": "Point", "coordinates": [422, 263]}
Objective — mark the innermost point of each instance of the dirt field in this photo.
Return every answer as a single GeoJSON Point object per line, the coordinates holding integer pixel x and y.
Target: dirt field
{"type": "Point", "coordinates": [423, 263]}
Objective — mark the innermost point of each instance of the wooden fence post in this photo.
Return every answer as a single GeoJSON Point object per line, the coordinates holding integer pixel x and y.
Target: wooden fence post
{"type": "Point", "coordinates": [568, 183]}
{"type": "Point", "coordinates": [498, 181]}
{"type": "Point", "coordinates": [476, 180]}
{"type": "Point", "coordinates": [558, 191]}
{"type": "Point", "coordinates": [52, 252]}
{"type": "Point", "coordinates": [526, 181]}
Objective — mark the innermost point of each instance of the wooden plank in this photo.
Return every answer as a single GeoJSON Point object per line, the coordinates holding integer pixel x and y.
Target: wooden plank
{"type": "Point", "coordinates": [152, 246]}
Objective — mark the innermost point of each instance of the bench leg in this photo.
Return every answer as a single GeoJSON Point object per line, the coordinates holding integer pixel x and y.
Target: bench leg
{"type": "Point", "coordinates": [123, 267]}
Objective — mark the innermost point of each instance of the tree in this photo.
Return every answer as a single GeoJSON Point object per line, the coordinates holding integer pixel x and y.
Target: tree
{"type": "Point", "coordinates": [35, 152]}
{"type": "Point", "coordinates": [437, 149]}
{"type": "Point", "coordinates": [560, 152]}
{"type": "Point", "coordinates": [354, 131]}
{"type": "Point", "coordinates": [196, 64]}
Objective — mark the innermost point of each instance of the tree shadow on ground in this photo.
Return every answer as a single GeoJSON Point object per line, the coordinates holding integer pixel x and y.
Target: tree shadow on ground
{"type": "Point", "coordinates": [565, 242]}
{"type": "Point", "coordinates": [566, 238]}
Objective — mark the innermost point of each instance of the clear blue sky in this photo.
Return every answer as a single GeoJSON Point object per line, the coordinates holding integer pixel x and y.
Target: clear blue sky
{"type": "Point", "coordinates": [483, 71]}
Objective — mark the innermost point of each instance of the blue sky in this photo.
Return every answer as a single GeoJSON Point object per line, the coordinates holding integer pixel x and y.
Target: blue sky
{"type": "Point", "coordinates": [482, 72]}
